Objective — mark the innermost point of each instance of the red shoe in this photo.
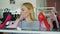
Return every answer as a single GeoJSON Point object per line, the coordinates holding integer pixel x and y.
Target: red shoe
{"type": "Point", "coordinates": [41, 18]}
{"type": "Point", "coordinates": [8, 17]}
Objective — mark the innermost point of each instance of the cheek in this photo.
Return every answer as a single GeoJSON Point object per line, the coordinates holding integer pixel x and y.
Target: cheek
{"type": "Point", "coordinates": [26, 14]}
{"type": "Point", "coordinates": [22, 12]}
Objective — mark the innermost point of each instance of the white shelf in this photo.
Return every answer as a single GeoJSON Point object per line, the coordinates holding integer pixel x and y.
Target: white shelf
{"type": "Point", "coordinates": [18, 31]}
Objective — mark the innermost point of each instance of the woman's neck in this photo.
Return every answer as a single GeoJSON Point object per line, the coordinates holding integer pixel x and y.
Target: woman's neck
{"type": "Point", "coordinates": [28, 19]}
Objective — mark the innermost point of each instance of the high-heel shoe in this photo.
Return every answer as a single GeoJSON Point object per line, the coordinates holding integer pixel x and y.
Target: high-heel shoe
{"type": "Point", "coordinates": [42, 19]}
{"type": "Point", "coordinates": [8, 17]}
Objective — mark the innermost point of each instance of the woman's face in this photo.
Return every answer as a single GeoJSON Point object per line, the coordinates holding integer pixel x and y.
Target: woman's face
{"type": "Point", "coordinates": [24, 11]}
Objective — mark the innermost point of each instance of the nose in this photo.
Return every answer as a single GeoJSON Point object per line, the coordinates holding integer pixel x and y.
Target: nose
{"type": "Point", "coordinates": [20, 12]}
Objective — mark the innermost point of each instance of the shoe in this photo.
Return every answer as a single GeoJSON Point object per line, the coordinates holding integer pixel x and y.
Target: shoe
{"type": "Point", "coordinates": [42, 19]}
{"type": "Point", "coordinates": [8, 17]}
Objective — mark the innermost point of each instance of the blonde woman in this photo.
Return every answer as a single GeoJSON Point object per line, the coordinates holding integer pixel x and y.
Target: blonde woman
{"type": "Point", "coordinates": [27, 12]}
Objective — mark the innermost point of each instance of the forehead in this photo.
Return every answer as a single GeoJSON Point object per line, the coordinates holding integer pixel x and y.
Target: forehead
{"type": "Point", "coordinates": [23, 7]}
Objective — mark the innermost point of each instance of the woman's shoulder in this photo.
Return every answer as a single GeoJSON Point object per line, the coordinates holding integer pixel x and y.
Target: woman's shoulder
{"type": "Point", "coordinates": [32, 21]}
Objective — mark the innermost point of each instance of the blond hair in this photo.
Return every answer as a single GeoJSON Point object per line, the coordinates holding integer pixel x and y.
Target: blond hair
{"type": "Point", "coordinates": [30, 7]}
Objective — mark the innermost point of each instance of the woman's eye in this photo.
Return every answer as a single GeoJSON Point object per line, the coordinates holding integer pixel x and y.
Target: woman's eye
{"type": "Point", "coordinates": [22, 10]}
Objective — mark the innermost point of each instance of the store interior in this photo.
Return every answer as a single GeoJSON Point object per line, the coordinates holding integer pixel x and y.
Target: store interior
{"type": "Point", "coordinates": [46, 11]}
